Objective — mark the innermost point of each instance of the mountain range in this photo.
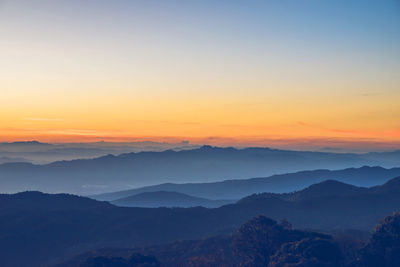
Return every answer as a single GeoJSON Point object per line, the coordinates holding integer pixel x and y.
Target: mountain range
{"type": "Point", "coordinates": [205, 164]}
{"type": "Point", "coordinates": [38, 229]}
{"type": "Point", "coordinates": [236, 189]}
{"type": "Point", "coordinates": [44, 153]}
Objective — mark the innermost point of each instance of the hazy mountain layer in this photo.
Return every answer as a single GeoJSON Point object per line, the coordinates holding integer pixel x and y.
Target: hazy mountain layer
{"type": "Point", "coordinates": [44, 153]}
{"type": "Point", "coordinates": [235, 189]}
{"type": "Point", "coordinates": [168, 199]}
{"type": "Point", "coordinates": [206, 164]}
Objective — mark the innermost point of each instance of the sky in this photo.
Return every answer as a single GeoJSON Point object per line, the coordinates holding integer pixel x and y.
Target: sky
{"type": "Point", "coordinates": [284, 73]}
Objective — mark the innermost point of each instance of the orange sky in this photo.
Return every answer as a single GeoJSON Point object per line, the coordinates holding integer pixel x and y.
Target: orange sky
{"type": "Point", "coordinates": [68, 74]}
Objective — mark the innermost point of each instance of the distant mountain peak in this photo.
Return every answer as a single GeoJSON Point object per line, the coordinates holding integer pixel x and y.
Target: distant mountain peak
{"type": "Point", "coordinates": [108, 156]}
{"type": "Point", "coordinates": [391, 185]}
{"type": "Point", "coordinates": [29, 193]}
{"type": "Point", "coordinates": [329, 184]}
{"type": "Point", "coordinates": [208, 147]}
{"type": "Point", "coordinates": [217, 148]}
{"type": "Point", "coordinates": [32, 142]}
{"type": "Point", "coordinates": [326, 188]}
{"type": "Point", "coordinates": [394, 181]}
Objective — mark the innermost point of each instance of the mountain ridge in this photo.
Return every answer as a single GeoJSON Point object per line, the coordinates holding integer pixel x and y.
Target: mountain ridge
{"type": "Point", "coordinates": [167, 199]}
{"type": "Point", "coordinates": [235, 189]}
{"type": "Point", "coordinates": [204, 164]}
{"type": "Point", "coordinates": [31, 221]}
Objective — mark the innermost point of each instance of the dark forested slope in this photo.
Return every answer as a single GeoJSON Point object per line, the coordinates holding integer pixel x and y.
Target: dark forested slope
{"type": "Point", "coordinates": [46, 228]}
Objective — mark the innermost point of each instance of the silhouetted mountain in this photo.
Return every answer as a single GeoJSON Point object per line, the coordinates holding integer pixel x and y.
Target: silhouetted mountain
{"type": "Point", "coordinates": [38, 201]}
{"type": "Point", "coordinates": [263, 242]}
{"type": "Point", "coordinates": [236, 189]}
{"type": "Point", "coordinates": [214, 251]}
{"type": "Point", "coordinates": [324, 189]}
{"type": "Point", "coordinates": [390, 186]}
{"type": "Point", "coordinates": [318, 201]}
{"type": "Point", "coordinates": [259, 242]}
{"type": "Point", "coordinates": [383, 248]}
{"type": "Point", "coordinates": [308, 252]}
{"type": "Point", "coordinates": [47, 228]}
{"type": "Point", "coordinates": [168, 199]}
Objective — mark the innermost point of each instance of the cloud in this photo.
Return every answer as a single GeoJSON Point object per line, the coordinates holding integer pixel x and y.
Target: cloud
{"type": "Point", "coordinates": [42, 119]}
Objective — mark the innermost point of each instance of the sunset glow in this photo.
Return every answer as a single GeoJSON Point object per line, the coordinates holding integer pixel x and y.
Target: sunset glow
{"type": "Point", "coordinates": [280, 75]}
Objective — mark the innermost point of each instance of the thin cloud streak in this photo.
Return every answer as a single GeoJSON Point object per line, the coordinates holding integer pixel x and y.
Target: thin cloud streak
{"type": "Point", "coordinates": [42, 119]}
